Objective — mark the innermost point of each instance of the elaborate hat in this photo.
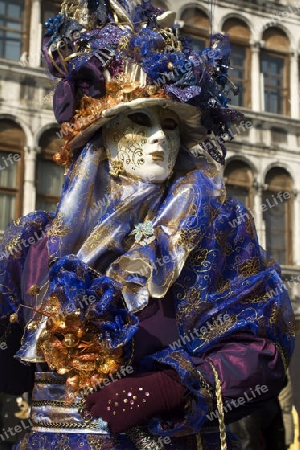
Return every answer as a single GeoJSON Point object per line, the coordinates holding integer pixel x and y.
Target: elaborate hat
{"type": "Point", "coordinates": [115, 56]}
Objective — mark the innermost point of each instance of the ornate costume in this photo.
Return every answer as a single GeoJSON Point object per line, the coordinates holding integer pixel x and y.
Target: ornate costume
{"type": "Point", "coordinates": [146, 289]}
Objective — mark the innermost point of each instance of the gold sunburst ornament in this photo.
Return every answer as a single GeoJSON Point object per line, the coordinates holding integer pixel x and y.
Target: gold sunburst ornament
{"type": "Point", "coordinates": [72, 346]}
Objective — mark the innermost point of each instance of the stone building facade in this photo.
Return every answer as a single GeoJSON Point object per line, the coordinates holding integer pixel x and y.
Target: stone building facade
{"type": "Point", "coordinates": [263, 160]}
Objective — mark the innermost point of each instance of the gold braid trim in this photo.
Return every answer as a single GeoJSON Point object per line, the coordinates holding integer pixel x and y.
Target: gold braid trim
{"type": "Point", "coordinates": [220, 408]}
{"type": "Point", "coordinates": [281, 352]}
{"type": "Point", "coordinates": [143, 440]}
{"type": "Point", "coordinates": [57, 403]}
{"type": "Point", "coordinates": [199, 442]}
{"type": "Point", "coordinates": [50, 381]}
{"type": "Point", "coordinates": [66, 425]}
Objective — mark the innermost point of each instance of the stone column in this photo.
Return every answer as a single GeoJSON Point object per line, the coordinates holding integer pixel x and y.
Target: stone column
{"type": "Point", "coordinates": [258, 200]}
{"type": "Point", "coordinates": [296, 234]}
{"type": "Point", "coordinates": [293, 94]}
{"type": "Point", "coordinates": [255, 77]}
{"type": "Point", "coordinates": [35, 35]}
{"type": "Point", "coordinates": [29, 180]}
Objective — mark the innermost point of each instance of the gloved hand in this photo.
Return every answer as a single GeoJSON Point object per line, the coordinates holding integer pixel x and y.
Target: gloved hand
{"type": "Point", "coordinates": [132, 400]}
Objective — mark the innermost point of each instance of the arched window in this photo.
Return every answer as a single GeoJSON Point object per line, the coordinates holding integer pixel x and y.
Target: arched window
{"type": "Point", "coordinates": [240, 60]}
{"type": "Point", "coordinates": [274, 66]}
{"type": "Point", "coordinates": [50, 176]}
{"type": "Point", "coordinates": [196, 25]}
{"type": "Point", "coordinates": [12, 141]}
{"type": "Point", "coordinates": [277, 214]}
{"type": "Point", "coordinates": [11, 29]}
{"type": "Point", "coordinates": [239, 182]}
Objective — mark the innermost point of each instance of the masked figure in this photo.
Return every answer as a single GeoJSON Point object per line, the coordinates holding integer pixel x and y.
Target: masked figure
{"type": "Point", "coordinates": [148, 320]}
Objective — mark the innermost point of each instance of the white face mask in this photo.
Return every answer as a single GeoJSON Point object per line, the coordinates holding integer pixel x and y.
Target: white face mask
{"type": "Point", "coordinates": [146, 141]}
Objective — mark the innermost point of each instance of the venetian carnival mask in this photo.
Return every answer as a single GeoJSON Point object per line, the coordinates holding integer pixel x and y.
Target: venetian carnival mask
{"type": "Point", "coordinates": [145, 141]}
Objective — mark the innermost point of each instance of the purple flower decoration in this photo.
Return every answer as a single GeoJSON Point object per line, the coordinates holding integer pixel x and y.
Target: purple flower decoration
{"type": "Point", "coordinates": [183, 95]}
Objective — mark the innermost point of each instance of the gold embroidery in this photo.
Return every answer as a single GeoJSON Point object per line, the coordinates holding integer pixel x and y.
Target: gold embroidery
{"type": "Point", "coordinates": [101, 443]}
{"type": "Point", "coordinates": [256, 296]}
{"type": "Point", "coordinates": [222, 240]}
{"type": "Point", "coordinates": [199, 256]}
{"type": "Point", "coordinates": [189, 238]}
{"type": "Point", "coordinates": [274, 315]}
{"type": "Point", "coordinates": [58, 228]}
{"type": "Point", "coordinates": [217, 328]}
{"type": "Point", "coordinates": [249, 267]}
{"type": "Point", "coordinates": [223, 285]}
{"type": "Point", "coordinates": [117, 168]}
{"type": "Point", "coordinates": [250, 229]}
{"type": "Point", "coordinates": [14, 245]}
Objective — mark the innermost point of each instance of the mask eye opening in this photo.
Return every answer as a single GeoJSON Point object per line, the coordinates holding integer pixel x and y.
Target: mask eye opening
{"type": "Point", "coordinates": [169, 124]}
{"type": "Point", "coordinates": [141, 119]}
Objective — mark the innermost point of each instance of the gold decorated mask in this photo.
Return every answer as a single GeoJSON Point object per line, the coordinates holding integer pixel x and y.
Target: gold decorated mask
{"type": "Point", "coordinates": [145, 141]}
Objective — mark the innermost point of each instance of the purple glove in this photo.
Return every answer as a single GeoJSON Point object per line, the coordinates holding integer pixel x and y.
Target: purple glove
{"type": "Point", "coordinates": [132, 400]}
